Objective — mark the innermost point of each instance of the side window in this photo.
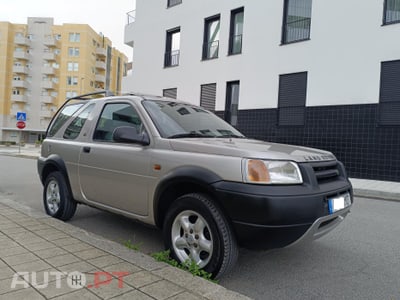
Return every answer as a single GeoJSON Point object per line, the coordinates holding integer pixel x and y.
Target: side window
{"type": "Point", "coordinates": [62, 117]}
{"type": "Point", "coordinates": [74, 129]}
{"type": "Point", "coordinates": [115, 115]}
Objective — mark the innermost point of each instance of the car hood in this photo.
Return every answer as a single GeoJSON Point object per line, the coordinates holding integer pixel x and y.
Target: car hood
{"type": "Point", "coordinates": [250, 148]}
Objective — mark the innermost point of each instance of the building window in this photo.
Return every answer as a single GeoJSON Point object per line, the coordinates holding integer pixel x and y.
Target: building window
{"type": "Point", "coordinates": [296, 21]}
{"type": "Point", "coordinates": [75, 37]}
{"type": "Point", "coordinates": [236, 31]}
{"type": "Point", "coordinates": [173, 2]}
{"type": "Point", "coordinates": [170, 93]}
{"type": "Point", "coordinates": [172, 47]}
{"type": "Point", "coordinates": [232, 102]}
{"type": "Point", "coordinates": [292, 99]}
{"type": "Point", "coordinates": [72, 80]}
{"type": "Point", "coordinates": [211, 37]}
{"type": "Point", "coordinates": [389, 95]}
{"type": "Point", "coordinates": [73, 51]}
{"type": "Point", "coordinates": [391, 12]}
{"type": "Point", "coordinates": [73, 66]}
{"type": "Point", "coordinates": [71, 94]}
{"type": "Point", "coordinates": [208, 95]}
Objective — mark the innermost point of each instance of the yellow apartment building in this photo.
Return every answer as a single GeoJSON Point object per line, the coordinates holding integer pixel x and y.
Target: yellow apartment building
{"type": "Point", "coordinates": [42, 64]}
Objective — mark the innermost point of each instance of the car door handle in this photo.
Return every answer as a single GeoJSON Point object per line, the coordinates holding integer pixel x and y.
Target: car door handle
{"type": "Point", "coordinates": [86, 149]}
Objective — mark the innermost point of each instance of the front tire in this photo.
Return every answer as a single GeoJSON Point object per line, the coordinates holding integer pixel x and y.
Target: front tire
{"type": "Point", "coordinates": [196, 229]}
{"type": "Point", "coordinates": [57, 198]}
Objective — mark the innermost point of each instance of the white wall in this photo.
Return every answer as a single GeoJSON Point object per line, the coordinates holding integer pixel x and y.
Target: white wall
{"type": "Point", "coordinates": [342, 57]}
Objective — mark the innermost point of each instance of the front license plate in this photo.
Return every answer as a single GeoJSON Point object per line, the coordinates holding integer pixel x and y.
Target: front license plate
{"type": "Point", "coordinates": [339, 202]}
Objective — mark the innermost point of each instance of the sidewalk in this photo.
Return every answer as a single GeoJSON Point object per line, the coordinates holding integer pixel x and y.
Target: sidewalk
{"type": "Point", "coordinates": [385, 190]}
{"type": "Point", "coordinates": [60, 261]}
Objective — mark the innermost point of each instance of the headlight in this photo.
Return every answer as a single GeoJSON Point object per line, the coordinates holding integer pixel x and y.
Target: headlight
{"type": "Point", "coordinates": [271, 172]}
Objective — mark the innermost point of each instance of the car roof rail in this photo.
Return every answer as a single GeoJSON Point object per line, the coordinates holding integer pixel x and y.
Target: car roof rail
{"type": "Point", "coordinates": [87, 96]}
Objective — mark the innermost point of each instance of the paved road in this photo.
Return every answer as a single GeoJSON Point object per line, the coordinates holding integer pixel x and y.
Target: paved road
{"type": "Point", "coordinates": [359, 260]}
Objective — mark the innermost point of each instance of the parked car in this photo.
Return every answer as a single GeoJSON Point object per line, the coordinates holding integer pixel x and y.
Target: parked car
{"type": "Point", "coordinates": [181, 168]}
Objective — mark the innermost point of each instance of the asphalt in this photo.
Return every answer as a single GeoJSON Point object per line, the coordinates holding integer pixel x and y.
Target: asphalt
{"type": "Point", "coordinates": [41, 246]}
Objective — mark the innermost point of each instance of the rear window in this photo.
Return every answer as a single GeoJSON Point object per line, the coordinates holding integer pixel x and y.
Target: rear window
{"type": "Point", "coordinates": [62, 117]}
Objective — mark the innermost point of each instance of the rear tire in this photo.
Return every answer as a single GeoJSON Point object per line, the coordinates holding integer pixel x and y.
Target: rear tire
{"type": "Point", "coordinates": [196, 229]}
{"type": "Point", "coordinates": [57, 198]}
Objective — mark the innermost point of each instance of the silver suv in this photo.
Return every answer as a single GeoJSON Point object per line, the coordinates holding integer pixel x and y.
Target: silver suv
{"type": "Point", "coordinates": [181, 168]}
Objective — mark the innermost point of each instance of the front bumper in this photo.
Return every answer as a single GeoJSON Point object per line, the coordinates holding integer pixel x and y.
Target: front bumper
{"type": "Point", "coordinates": [266, 217]}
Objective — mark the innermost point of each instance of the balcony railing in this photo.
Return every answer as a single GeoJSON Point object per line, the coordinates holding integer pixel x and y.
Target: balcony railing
{"type": "Point", "coordinates": [21, 55]}
{"type": "Point", "coordinates": [100, 65]}
{"type": "Point", "coordinates": [171, 58]}
{"type": "Point", "coordinates": [48, 70]}
{"type": "Point", "coordinates": [19, 84]}
{"type": "Point", "coordinates": [20, 69]}
{"type": "Point", "coordinates": [210, 50]}
{"type": "Point", "coordinates": [47, 99]}
{"type": "Point", "coordinates": [100, 78]}
{"type": "Point", "coordinates": [45, 113]}
{"type": "Point", "coordinates": [101, 52]}
{"type": "Point", "coordinates": [131, 17]}
{"type": "Point", "coordinates": [19, 98]}
{"type": "Point", "coordinates": [49, 41]}
{"type": "Point", "coordinates": [21, 40]}
{"type": "Point", "coordinates": [235, 44]}
{"type": "Point", "coordinates": [48, 85]}
{"type": "Point", "coordinates": [296, 30]}
{"type": "Point", "coordinates": [49, 56]}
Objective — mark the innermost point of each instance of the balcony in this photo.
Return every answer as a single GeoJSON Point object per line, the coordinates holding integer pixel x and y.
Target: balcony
{"type": "Point", "coordinates": [21, 55]}
{"type": "Point", "coordinates": [14, 111]}
{"type": "Point", "coordinates": [47, 99]}
{"type": "Point", "coordinates": [50, 41]}
{"type": "Point", "coordinates": [49, 56]}
{"type": "Point", "coordinates": [100, 78]}
{"type": "Point", "coordinates": [48, 70]}
{"type": "Point", "coordinates": [19, 98]}
{"type": "Point", "coordinates": [20, 70]}
{"type": "Point", "coordinates": [48, 85]}
{"type": "Point", "coordinates": [19, 84]}
{"type": "Point", "coordinates": [100, 65]}
{"type": "Point", "coordinates": [101, 52]}
{"type": "Point", "coordinates": [46, 114]}
{"type": "Point", "coordinates": [21, 40]}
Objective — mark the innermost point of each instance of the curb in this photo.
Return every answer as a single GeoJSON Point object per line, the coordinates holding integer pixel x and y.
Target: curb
{"type": "Point", "coordinates": [380, 195]}
{"type": "Point", "coordinates": [197, 287]}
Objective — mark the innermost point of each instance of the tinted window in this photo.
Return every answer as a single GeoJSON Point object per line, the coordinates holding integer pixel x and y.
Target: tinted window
{"type": "Point", "coordinates": [115, 115]}
{"type": "Point", "coordinates": [175, 119]}
{"type": "Point", "coordinates": [74, 129]}
{"type": "Point", "coordinates": [62, 117]}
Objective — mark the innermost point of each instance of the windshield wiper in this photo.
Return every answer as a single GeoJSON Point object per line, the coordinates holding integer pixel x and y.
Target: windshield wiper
{"type": "Point", "coordinates": [187, 135]}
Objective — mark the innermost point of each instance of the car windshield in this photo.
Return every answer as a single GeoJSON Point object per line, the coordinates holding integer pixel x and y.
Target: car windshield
{"type": "Point", "coordinates": [179, 120]}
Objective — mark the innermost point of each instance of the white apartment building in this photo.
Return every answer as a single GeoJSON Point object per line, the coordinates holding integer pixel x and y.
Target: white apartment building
{"type": "Point", "coordinates": [324, 74]}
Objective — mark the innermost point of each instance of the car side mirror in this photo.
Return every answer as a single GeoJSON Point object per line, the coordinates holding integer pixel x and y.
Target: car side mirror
{"type": "Point", "coordinates": [127, 134]}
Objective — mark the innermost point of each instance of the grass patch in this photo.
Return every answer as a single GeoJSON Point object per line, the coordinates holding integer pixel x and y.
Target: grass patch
{"type": "Point", "coordinates": [189, 265]}
{"type": "Point", "coordinates": [130, 245]}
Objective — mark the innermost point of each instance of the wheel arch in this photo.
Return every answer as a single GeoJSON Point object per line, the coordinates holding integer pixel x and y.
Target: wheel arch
{"type": "Point", "coordinates": [181, 181]}
{"type": "Point", "coordinates": [53, 163]}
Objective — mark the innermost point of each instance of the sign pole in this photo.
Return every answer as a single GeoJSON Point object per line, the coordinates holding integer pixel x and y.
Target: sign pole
{"type": "Point", "coordinates": [19, 144]}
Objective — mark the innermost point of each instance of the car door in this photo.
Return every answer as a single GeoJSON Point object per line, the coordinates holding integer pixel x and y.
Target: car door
{"type": "Point", "coordinates": [115, 174]}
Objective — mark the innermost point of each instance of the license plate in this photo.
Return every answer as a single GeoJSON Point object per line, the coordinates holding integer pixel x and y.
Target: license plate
{"type": "Point", "coordinates": [339, 202]}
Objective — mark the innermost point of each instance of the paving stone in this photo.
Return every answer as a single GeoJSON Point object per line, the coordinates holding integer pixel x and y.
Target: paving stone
{"type": "Point", "coordinates": [79, 294]}
{"type": "Point", "coordinates": [12, 230]}
{"type": "Point", "coordinates": [51, 252]}
{"type": "Point", "coordinates": [78, 247]}
{"type": "Point", "coordinates": [38, 245]}
{"type": "Point", "coordinates": [62, 260]}
{"type": "Point", "coordinates": [52, 290]}
{"type": "Point", "coordinates": [5, 244]}
{"type": "Point", "coordinates": [79, 266]}
{"type": "Point", "coordinates": [91, 253]}
{"type": "Point", "coordinates": [105, 261]}
{"type": "Point", "coordinates": [45, 277]}
{"type": "Point", "coordinates": [5, 286]}
{"type": "Point", "coordinates": [66, 241]}
{"type": "Point", "coordinates": [162, 289]}
{"type": "Point", "coordinates": [37, 265]}
{"type": "Point", "coordinates": [28, 293]}
{"type": "Point", "coordinates": [135, 294]}
{"type": "Point", "coordinates": [20, 258]}
{"type": "Point", "coordinates": [140, 279]}
{"type": "Point", "coordinates": [123, 267]}
{"type": "Point", "coordinates": [108, 289]}
{"type": "Point", "coordinates": [36, 227]}
{"type": "Point", "coordinates": [6, 272]}
{"type": "Point", "coordinates": [7, 225]}
{"type": "Point", "coordinates": [24, 236]}
{"type": "Point", "coordinates": [12, 251]}
{"type": "Point", "coordinates": [185, 296]}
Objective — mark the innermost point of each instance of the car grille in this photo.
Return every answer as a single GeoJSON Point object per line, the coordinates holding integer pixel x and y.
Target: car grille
{"type": "Point", "coordinates": [326, 171]}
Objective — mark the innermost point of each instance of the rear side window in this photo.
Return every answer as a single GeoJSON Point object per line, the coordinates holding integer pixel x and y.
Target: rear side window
{"type": "Point", "coordinates": [62, 117]}
{"type": "Point", "coordinates": [74, 129]}
{"type": "Point", "coordinates": [115, 115]}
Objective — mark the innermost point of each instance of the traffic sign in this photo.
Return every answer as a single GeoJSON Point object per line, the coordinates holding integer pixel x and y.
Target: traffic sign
{"type": "Point", "coordinates": [21, 116]}
{"type": "Point", "coordinates": [21, 124]}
